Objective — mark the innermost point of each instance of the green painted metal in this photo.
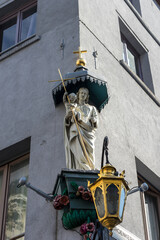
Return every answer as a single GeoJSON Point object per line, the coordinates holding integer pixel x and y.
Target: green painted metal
{"type": "Point", "coordinates": [75, 218]}
{"type": "Point", "coordinates": [97, 90]}
{"type": "Point", "coordinates": [78, 210]}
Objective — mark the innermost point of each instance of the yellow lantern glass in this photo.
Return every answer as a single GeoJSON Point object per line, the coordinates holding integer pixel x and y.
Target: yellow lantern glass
{"type": "Point", "coordinates": [109, 194]}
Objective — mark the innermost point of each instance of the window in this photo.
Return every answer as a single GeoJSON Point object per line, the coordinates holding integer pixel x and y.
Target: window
{"type": "Point", "coordinates": [157, 2]}
{"type": "Point", "coordinates": [131, 57]}
{"type": "Point", "coordinates": [151, 211]}
{"type": "Point", "coordinates": [18, 26]}
{"type": "Point", "coordinates": [13, 200]}
{"type": "Point", "coordinates": [135, 56]}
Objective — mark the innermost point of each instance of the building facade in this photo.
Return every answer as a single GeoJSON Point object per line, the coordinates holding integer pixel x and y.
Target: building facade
{"type": "Point", "coordinates": [123, 48]}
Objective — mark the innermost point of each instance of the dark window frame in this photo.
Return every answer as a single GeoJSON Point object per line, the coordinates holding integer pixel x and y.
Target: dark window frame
{"type": "Point", "coordinates": [18, 13]}
{"type": "Point", "coordinates": [152, 191]}
{"type": "Point", "coordinates": [158, 2]}
{"type": "Point", "coordinates": [4, 194]}
{"type": "Point", "coordinates": [128, 46]}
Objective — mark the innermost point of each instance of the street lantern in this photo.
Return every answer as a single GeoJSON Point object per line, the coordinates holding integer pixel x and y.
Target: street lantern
{"type": "Point", "coordinates": [109, 193]}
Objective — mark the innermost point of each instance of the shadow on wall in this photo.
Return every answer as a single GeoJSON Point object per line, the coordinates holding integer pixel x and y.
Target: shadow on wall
{"type": "Point", "coordinates": [146, 71]}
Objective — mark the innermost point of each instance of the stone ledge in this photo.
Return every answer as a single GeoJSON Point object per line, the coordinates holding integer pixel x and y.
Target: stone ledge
{"type": "Point", "coordinates": [18, 47]}
{"type": "Point", "coordinates": [120, 233]}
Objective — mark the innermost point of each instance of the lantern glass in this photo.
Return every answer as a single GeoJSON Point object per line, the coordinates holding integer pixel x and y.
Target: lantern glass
{"type": "Point", "coordinates": [122, 201]}
{"type": "Point", "coordinates": [112, 199]}
{"type": "Point", "coordinates": [99, 201]}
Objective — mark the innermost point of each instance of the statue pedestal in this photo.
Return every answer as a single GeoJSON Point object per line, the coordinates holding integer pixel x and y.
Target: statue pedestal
{"type": "Point", "coordinates": [73, 183]}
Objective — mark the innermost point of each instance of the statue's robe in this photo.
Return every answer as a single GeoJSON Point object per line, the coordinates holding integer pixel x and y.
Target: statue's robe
{"type": "Point", "coordinates": [86, 116]}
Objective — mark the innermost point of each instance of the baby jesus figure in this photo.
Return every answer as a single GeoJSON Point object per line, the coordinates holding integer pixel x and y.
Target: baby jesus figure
{"type": "Point", "coordinates": [70, 107]}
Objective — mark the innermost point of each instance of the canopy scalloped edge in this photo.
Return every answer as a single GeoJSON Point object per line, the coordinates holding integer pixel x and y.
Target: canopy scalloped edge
{"type": "Point", "coordinates": [97, 88]}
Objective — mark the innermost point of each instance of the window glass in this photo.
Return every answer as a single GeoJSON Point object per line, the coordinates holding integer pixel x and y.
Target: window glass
{"type": "Point", "coordinates": [99, 200]}
{"type": "Point", "coordinates": [131, 57]}
{"type": "Point", "coordinates": [1, 197]}
{"type": "Point", "coordinates": [131, 61]}
{"type": "Point", "coordinates": [1, 178]}
{"type": "Point", "coordinates": [8, 34]}
{"type": "Point", "coordinates": [28, 23]}
{"type": "Point", "coordinates": [17, 200]}
{"type": "Point", "coordinates": [112, 199]}
{"type": "Point", "coordinates": [122, 202]}
{"type": "Point", "coordinates": [152, 217]}
{"type": "Point", "coordinates": [19, 28]}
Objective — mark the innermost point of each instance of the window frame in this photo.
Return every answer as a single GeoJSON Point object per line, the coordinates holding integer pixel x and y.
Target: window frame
{"type": "Point", "coordinates": [158, 2]}
{"type": "Point", "coordinates": [4, 195]}
{"type": "Point", "coordinates": [153, 192]}
{"type": "Point", "coordinates": [18, 12]}
{"type": "Point", "coordinates": [128, 46]}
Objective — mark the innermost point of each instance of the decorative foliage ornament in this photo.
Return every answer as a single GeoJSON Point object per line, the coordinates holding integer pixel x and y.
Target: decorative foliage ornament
{"type": "Point", "coordinates": [87, 229]}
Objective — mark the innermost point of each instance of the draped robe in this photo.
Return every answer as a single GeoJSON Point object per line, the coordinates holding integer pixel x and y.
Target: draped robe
{"type": "Point", "coordinates": [86, 116]}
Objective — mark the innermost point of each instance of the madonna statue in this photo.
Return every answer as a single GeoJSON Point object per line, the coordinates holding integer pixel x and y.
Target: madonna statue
{"type": "Point", "coordinates": [86, 118]}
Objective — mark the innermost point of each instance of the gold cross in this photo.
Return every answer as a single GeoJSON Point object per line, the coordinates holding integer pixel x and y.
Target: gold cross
{"type": "Point", "coordinates": [80, 52]}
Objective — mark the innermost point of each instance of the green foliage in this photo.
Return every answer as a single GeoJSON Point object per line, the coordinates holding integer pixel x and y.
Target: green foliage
{"type": "Point", "coordinates": [72, 195]}
{"type": "Point", "coordinates": [65, 192]}
{"type": "Point", "coordinates": [76, 218]}
{"type": "Point", "coordinates": [74, 186]}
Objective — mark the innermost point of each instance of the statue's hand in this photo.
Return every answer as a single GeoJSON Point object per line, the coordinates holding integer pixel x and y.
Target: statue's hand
{"type": "Point", "coordinates": [78, 116]}
{"type": "Point", "coordinates": [65, 97]}
{"type": "Point", "coordinates": [93, 122]}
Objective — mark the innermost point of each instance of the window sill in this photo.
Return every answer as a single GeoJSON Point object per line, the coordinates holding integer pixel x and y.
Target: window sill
{"type": "Point", "coordinates": [140, 82]}
{"type": "Point", "coordinates": [18, 47]}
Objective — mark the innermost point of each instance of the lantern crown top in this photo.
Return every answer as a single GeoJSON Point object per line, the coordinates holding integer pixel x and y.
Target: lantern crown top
{"type": "Point", "coordinates": [107, 170]}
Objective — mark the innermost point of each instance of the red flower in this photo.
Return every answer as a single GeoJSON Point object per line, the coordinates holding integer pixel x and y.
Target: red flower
{"type": "Point", "coordinates": [83, 229]}
{"type": "Point", "coordinates": [86, 195]}
{"type": "Point", "coordinates": [90, 227]}
{"type": "Point", "coordinates": [60, 201]}
{"type": "Point", "coordinates": [81, 189]}
{"type": "Point", "coordinates": [57, 198]}
{"type": "Point", "coordinates": [64, 200]}
{"type": "Point", "coordinates": [87, 237]}
{"type": "Point", "coordinates": [57, 205]}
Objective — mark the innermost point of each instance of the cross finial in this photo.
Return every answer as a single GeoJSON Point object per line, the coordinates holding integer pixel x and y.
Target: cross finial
{"type": "Point", "coordinates": [80, 61]}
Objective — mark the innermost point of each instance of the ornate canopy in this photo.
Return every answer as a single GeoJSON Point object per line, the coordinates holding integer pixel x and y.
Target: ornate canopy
{"type": "Point", "coordinates": [82, 78]}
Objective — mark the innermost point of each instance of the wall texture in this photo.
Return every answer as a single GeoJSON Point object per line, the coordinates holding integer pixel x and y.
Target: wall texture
{"type": "Point", "coordinates": [131, 119]}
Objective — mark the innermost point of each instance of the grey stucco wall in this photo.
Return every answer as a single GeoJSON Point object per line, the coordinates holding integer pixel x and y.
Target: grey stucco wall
{"type": "Point", "coordinates": [150, 10]}
{"type": "Point", "coordinates": [130, 120]}
{"type": "Point", "coordinates": [27, 107]}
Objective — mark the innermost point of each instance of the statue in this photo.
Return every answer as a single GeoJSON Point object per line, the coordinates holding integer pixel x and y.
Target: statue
{"type": "Point", "coordinates": [80, 124]}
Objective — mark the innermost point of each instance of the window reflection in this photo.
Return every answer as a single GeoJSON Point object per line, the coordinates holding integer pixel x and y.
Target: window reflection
{"type": "Point", "coordinates": [28, 23]}
{"type": "Point", "coordinates": [99, 199]}
{"type": "Point", "coordinates": [132, 61]}
{"type": "Point", "coordinates": [1, 177]}
{"type": "Point", "coordinates": [152, 217]}
{"type": "Point", "coordinates": [17, 200]}
{"type": "Point", "coordinates": [19, 28]}
{"type": "Point", "coordinates": [9, 34]}
{"type": "Point", "coordinates": [112, 199]}
{"type": "Point", "coordinates": [131, 56]}
{"type": "Point", "coordinates": [122, 201]}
